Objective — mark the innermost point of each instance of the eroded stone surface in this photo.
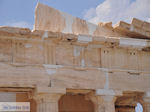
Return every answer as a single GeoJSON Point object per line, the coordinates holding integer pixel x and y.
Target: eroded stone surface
{"type": "Point", "coordinates": [108, 67]}
{"type": "Point", "coordinates": [48, 19]}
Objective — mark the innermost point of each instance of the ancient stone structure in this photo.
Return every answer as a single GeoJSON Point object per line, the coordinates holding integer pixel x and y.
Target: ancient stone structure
{"type": "Point", "coordinates": [69, 65]}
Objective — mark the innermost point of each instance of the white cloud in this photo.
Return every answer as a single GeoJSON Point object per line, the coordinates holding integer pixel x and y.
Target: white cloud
{"type": "Point", "coordinates": [116, 10]}
{"type": "Point", "coordinates": [22, 24]}
{"type": "Point", "coordinates": [90, 13]}
{"type": "Point", "coordinates": [139, 108]}
{"type": "Point", "coordinates": [148, 20]}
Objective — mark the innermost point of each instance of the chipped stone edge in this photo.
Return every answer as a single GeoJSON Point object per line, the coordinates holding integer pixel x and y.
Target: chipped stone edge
{"type": "Point", "coordinates": [125, 42]}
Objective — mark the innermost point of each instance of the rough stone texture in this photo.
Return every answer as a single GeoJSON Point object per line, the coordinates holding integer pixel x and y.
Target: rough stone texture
{"type": "Point", "coordinates": [80, 27]}
{"type": "Point", "coordinates": [137, 29]}
{"type": "Point", "coordinates": [50, 19]}
{"type": "Point", "coordinates": [65, 55]}
{"type": "Point", "coordinates": [45, 21]}
{"type": "Point", "coordinates": [80, 60]}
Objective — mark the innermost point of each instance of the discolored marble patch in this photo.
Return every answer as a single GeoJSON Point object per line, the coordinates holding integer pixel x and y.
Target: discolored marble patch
{"type": "Point", "coordinates": [80, 27]}
{"type": "Point", "coordinates": [49, 19]}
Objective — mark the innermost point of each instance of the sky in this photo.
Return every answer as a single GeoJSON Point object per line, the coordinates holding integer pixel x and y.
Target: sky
{"type": "Point", "coordinates": [116, 10]}
{"type": "Point", "coordinates": [20, 13]}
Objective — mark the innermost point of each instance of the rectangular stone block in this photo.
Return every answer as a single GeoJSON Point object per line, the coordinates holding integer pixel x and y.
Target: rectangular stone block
{"type": "Point", "coordinates": [137, 22]}
{"type": "Point", "coordinates": [50, 90]}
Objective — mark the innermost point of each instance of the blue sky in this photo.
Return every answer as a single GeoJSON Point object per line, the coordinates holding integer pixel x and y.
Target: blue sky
{"type": "Point", "coordinates": [15, 11]}
{"type": "Point", "coordinates": [21, 12]}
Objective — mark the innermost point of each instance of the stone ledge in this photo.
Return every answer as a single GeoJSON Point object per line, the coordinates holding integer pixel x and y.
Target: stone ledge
{"type": "Point", "coordinates": [109, 92]}
{"type": "Point", "coordinates": [50, 90]}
